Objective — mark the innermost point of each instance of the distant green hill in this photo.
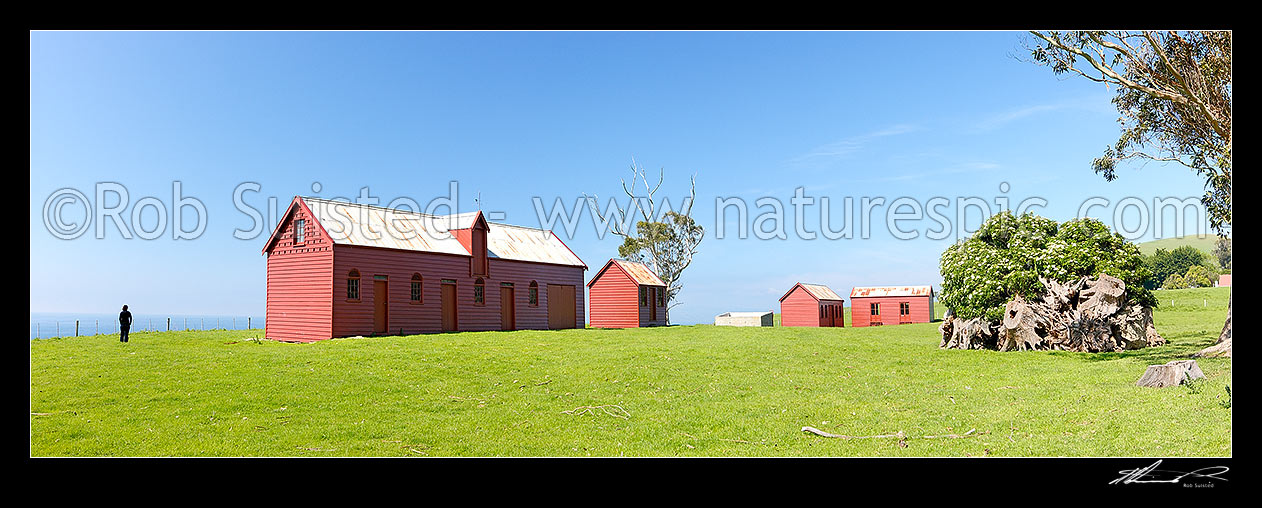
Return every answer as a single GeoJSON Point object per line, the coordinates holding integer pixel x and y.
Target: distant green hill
{"type": "Point", "coordinates": [1203, 243]}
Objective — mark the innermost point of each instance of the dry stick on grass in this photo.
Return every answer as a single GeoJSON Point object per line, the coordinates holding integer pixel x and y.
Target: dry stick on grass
{"type": "Point", "coordinates": [900, 435]}
{"type": "Point", "coordinates": [608, 409]}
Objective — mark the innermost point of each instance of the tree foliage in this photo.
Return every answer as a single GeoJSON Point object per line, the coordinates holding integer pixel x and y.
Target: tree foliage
{"type": "Point", "coordinates": [1199, 276]}
{"type": "Point", "coordinates": [1008, 254]}
{"type": "Point", "coordinates": [1173, 90]}
{"type": "Point", "coordinates": [1222, 253]}
{"type": "Point", "coordinates": [1164, 264]}
{"type": "Point", "coordinates": [666, 246]}
{"type": "Point", "coordinates": [1176, 281]}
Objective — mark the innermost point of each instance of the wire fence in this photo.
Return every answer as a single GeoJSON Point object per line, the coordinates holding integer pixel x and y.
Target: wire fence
{"type": "Point", "coordinates": [94, 325]}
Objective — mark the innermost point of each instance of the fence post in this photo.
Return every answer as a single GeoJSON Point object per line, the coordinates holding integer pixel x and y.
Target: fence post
{"type": "Point", "coordinates": [76, 328]}
{"type": "Point", "coordinates": [217, 325]}
{"type": "Point", "coordinates": [168, 324]}
{"type": "Point", "coordinates": [59, 328]}
{"type": "Point", "coordinates": [98, 327]}
{"type": "Point", "coordinates": [247, 324]}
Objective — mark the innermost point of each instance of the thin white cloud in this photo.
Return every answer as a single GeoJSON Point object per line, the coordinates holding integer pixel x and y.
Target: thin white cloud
{"type": "Point", "coordinates": [845, 147]}
{"type": "Point", "coordinates": [1093, 103]}
{"type": "Point", "coordinates": [1001, 119]}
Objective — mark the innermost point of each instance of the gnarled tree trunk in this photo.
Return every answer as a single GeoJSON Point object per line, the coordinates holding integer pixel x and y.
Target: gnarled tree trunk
{"type": "Point", "coordinates": [1221, 348]}
{"type": "Point", "coordinates": [1087, 314]}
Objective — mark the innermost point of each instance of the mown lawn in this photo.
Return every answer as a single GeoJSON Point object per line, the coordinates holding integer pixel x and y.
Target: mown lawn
{"type": "Point", "coordinates": [686, 391]}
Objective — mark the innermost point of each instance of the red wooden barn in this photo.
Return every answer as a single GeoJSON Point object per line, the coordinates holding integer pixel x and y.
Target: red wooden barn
{"type": "Point", "coordinates": [893, 305]}
{"type": "Point", "coordinates": [811, 305]}
{"type": "Point", "coordinates": [337, 269]}
{"type": "Point", "coordinates": [626, 294]}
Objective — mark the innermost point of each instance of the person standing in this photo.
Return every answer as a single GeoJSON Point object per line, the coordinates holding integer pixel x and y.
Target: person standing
{"type": "Point", "coordinates": [124, 324]}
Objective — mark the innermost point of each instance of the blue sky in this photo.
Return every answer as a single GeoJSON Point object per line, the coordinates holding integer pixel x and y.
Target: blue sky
{"type": "Point", "coordinates": [518, 115]}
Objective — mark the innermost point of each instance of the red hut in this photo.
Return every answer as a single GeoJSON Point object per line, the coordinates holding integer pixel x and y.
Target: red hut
{"type": "Point", "coordinates": [626, 294]}
{"type": "Point", "coordinates": [337, 269]}
{"type": "Point", "coordinates": [811, 305]}
{"type": "Point", "coordinates": [893, 305]}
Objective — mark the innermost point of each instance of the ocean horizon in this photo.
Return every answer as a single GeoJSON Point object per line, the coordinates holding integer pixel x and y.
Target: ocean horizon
{"type": "Point", "coordinates": [46, 325]}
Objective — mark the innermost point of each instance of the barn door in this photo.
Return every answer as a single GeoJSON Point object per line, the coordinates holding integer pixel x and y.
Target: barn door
{"type": "Point", "coordinates": [508, 309]}
{"type": "Point", "coordinates": [561, 307]}
{"type": "Point", "coordinates": [380, 306]}
{"type": "Point", "coordinates": [449, 306]}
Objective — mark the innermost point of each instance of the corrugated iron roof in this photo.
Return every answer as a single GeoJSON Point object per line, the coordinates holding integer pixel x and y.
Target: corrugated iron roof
{"type": "Point", "coordinates": [818, 291]}
{"type": "Point", "coordinates": [821, 291]}
{"type": "Point", "coordinates": [879, 291]}
{"type": "Point", "coordinates": [519, 243]}
{"type": "Point", "coordinates": [639, 273]}
{"type": "Point", "coordinates": [374, 226]}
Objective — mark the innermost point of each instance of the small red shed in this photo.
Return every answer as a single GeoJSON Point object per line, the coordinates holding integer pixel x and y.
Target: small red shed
{"type": "Point", "coordinates": [891, 305]}
{"type": "Point", "coordinates": [812, 305]}
{"type": "Point", "coordinates": [626, 294]}
{"type": "Point", "coordinates": [339, 269]}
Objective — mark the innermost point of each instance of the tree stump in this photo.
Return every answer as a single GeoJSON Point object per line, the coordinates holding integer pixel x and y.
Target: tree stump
{"type": "Point", "coordinates": [1024, 326]}
{"type": "Point", "coordinates": [1170, 374]}
{"type": "Point", "coordinates": [1085, 315]}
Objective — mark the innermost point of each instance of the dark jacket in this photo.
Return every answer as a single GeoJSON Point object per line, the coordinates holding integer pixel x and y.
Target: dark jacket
{"type": "Point", "coordinates": [124, 318]}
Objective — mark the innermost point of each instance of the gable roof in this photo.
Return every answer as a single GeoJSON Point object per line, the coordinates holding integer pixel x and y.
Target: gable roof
{"type": "Point", "coordinates": [817, 291]}
{"type": "Point", "coordinates": [375, 226]}
{"type": "Point", "coordinates": [637, 272]}
{"type": "Point", "coordinates": [293, 205]}
{"type": "Point", "coordinates": [879, 291]}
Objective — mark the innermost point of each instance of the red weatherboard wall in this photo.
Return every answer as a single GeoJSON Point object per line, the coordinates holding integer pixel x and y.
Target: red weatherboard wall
{"type": "Point", "coordinates": [299, 297]}
{"type": "Point", "coordinates": [306, 287]}
{"type": "Point", "coordinates": [615, 301]}
{"type": "Point", "coordinates": [356, 318]}
{"type": "Point", "coordinates": [799, 308]}
{"type": "Point", "coordinates": [861, 309]}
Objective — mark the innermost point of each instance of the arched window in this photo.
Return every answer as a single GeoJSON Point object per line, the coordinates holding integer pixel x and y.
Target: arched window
{"type": "Point", "coordinates": [533, 294]}
{"type": "Point", "coordinates": [416, 288]}
{"type": "Point", "coordinates": [479, 291]}
{"type": "Point", "coordinates": [352, 285]}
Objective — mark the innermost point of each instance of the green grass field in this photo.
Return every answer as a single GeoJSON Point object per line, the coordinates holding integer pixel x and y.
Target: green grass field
{"type": "Point", "coordinates": [1205, 244]}
{"type": "Point", "coordinates": [686, 391]}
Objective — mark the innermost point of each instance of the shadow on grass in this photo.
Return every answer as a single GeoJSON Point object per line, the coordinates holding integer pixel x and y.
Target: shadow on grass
{"type": "Point", "coordinates": [1178, 347]}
